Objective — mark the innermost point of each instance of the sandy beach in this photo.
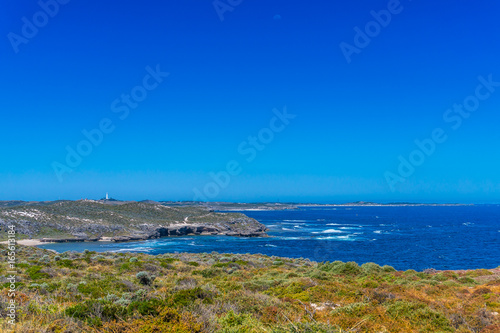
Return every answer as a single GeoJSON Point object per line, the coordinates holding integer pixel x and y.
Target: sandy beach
{"type": "Point", "coordinates": [28, 242]}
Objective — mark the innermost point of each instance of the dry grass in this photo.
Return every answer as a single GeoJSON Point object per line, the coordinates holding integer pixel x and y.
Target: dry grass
{"type": "Point", "coordinates": [93, 292]}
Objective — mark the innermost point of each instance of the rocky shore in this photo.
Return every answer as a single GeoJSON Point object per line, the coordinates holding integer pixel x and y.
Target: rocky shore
{"type": "Point", "coordinates": [180, 230]}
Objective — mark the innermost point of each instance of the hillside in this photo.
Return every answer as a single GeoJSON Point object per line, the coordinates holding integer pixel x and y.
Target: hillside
{"type": "Point", "coordinates": [240, 293]}
{"type": "Point", "coordinates": [92, 220]}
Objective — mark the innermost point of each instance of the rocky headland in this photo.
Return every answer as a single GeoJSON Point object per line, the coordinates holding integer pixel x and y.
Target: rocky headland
{"type": "Point", "coordinates": [94, 220]}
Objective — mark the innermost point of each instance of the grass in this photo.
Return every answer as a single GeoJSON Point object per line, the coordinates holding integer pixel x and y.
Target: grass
{"type": "Point", "coordinates": [212, 292]}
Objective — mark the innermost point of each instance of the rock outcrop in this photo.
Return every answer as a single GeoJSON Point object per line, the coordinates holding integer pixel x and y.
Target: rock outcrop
{"type": "Point", "coordinates": [179, 230]}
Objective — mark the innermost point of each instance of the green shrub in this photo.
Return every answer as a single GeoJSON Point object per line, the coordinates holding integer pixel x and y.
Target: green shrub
{"type": "Point", "coordinates": [133, 259]}
{"type": "Point", "coordinates": [23, 264]}
{"type": "Point", "coordinates": [150, 307]}
{"type": "Point", "coordinates": [439, 277]}
{"type": "Point", "coordinates": [221, 264]}
{"type": "Point", "coordinates": [388, 269]}
{"type": "Point", "coordinates": [125, 267]}
{"type": "Point", "coordinates": [145, 278]}
{"type": "Point", "coordinates": [209, 272]}
{"type": "Point", "coordinates": [45, 258]}
{"type": "Point", "coordinates": [112, 312]}
{"type": "Point", "coordinates": [369, 284]}
{"type": "Point", "coordinates": [233, 322]}
{"type": "Point", "coordinates": [102, 287]}
{"type": "Point", "coordinates": [35, 274]}
{"type": "Point", "coordinates": [232, 319]}
{"type": "Point", "coordinates": [318, 274]}
{"type": "Point", "coordinates": [349, 268]}
{"type": "Point", "coordinates": [478, 272]}
{"type": "Point", "coordinates": [89, 310]}
{"type": "Point", "coordinates": [139, 294]}
{"type": "Point", "coordinates": [68, 263]}
{"type": "Point", "coordinates": [295, 290]}
{"type": "Point", "coordinates": [110, 298]}
{"type": "Point", "coordinates": [371, 268]}
{"type": "Point", "coordinates": [467, 280]}
{"type": "Point", "coordinates": [419, 314]}
{"type": "Point", "coordinates": [340, 268]}
{"type": "Point", "coordinates": [80, 311]}
{"type": "Point", "coordinates": [168, 260]}
{"type": "Point", "coordinates": [187, 297]}
{"type": "Point", "coordinates": [123, 301]}
{"type": "Point", "coordinates": [71, 287]}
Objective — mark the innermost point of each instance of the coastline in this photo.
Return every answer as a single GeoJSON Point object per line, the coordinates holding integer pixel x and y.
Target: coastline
{"type": "Point", "coordinates": [28, 242]}
{"type": "Point", "coordinates": [495, 271]}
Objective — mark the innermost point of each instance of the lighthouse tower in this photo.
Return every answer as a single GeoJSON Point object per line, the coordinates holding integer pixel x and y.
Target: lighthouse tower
{"type": "Point", "coordinates": [107, 197]}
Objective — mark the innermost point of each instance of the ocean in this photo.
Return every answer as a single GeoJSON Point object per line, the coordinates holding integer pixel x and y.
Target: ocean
{"type": "Point", "coordinates": [405, 237]}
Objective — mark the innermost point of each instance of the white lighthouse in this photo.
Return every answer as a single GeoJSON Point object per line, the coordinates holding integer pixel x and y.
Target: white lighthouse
{"type": "Point", "coordinates": [107, 197]}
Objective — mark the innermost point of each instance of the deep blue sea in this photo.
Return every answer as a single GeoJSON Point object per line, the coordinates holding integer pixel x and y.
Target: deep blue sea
{"type": "Point", "coordinates": [418, 237]}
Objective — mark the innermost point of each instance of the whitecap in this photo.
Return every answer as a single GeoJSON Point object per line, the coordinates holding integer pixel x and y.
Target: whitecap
{"type": "Point", "coordinates": [328, 231]}
{"type": "Point", "coordinates": [331, 231]}
{"type": "Point", "coordinates": [347, 225]}
{"type": "Point", "coordinates": [290, 238]}
{"type": "Point", "coordinates": [341, 238]}
{"type": "Point", "coordinates": [137, 249]}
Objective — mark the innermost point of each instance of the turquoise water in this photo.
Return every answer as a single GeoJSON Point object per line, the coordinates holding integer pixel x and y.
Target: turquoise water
{"type": "Point", "coordinates": [453, 237]}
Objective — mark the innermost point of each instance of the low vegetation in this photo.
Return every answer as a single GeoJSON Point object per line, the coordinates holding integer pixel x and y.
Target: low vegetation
{"type": "Point", "coordinates": [90, 219]}
{"type": "Point", "coordinates": [212, 292]}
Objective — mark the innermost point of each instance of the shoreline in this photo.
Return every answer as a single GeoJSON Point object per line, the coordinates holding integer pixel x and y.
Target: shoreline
{"type": "Point", "coordinates": [35, 242]}
{"type": "Point", "coordinates": [28, 242]}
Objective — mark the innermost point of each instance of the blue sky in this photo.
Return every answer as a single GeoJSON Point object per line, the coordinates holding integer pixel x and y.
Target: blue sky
{"type": "Point", "coordinates": [353, 119]}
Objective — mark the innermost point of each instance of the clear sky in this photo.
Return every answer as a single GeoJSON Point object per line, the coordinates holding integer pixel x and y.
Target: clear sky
{"type": "Point", "coordinates": [348, 106]}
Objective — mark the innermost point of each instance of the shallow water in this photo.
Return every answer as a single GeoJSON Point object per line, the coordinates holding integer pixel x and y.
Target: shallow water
{"type": "Point", "coordinates": [458, 237]}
